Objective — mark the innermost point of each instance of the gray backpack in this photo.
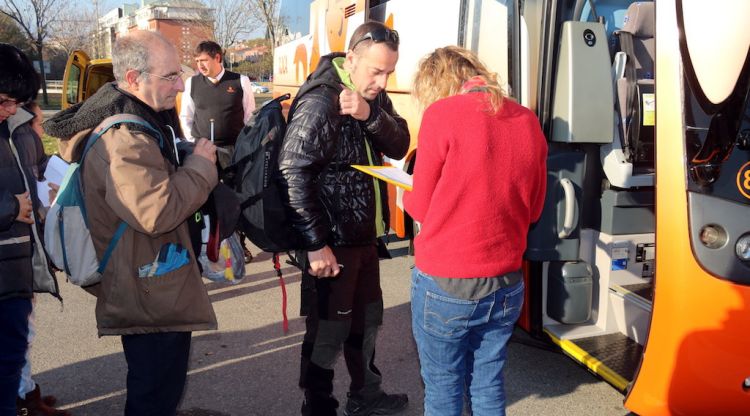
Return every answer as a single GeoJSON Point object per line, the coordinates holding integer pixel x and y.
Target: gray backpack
{"type": "Point", "coordinates": [66, 232]}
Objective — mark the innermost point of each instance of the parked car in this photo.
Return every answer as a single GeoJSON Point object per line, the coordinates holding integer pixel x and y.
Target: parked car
{"type": "Point", "coordinates": [259, 89]}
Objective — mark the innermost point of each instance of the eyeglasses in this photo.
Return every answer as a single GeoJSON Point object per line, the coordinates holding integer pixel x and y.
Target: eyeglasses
{"type": "Point", "coordinates": [170, 78]}
{"type": "Point", "coordinates": [378, 35]}
{"type": "Point", "coordinates": [10, 102]}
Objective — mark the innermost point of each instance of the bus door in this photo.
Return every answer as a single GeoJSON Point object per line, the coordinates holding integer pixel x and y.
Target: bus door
{"type": "Point", "coordinates": [591, 256]}
{"type": "Point", "coordinates": [696, 359]}
{"type": "Point", "coordinates": [639, 267]}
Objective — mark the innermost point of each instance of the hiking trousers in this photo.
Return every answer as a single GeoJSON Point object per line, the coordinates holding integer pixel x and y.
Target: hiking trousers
{"type": "Point", "coordinates": [344, 312]}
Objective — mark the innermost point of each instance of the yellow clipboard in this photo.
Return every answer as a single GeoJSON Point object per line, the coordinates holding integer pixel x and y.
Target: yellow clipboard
{"type": "Point", "coordinates": [390, 174]}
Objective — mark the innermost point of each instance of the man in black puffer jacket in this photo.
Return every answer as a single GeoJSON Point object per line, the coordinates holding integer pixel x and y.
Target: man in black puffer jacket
{"type": "Point", "coordinates": [342, 117]}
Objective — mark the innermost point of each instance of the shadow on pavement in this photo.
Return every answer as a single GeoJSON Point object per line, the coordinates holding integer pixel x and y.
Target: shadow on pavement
{"type": "Point", "coordinates": [249, 367]}
{"type": "Point", "coordinates": [254, 372]}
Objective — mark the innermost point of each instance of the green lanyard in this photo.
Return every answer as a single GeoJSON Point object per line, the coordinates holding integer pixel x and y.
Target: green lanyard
{"type": "Point", "coordinates": [379, 223]}
{"type": "Point", "coordinates": [338, 64]}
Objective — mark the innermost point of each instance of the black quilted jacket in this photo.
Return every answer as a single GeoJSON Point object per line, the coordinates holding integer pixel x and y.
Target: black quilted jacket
{"type": "Point", "coordinates": [332, 203]}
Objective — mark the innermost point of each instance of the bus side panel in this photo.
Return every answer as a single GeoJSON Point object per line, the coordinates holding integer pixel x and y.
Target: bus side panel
{"type": "Point", "coordinates": [696, 357]}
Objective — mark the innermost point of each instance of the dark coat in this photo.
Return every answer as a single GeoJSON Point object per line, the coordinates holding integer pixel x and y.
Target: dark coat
{"type": "Point", "coordinates": [18, 241]}
{"type": "Point", "coordinates": [332, 203]}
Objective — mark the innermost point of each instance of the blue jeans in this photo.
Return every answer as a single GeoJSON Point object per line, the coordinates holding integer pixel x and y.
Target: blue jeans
{"type": "Point", "coordinates": [462, 346]}
{"type": "Point", "coordinates": [27, 383]}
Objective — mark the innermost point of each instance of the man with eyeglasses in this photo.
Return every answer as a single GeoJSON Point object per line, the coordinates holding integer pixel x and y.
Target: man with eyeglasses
{"type": "Point", "coordinates": [23, 265]}
{"type": "Point", "coordinates": [151, 299]}
{"type": "Point", "coordinates": [341, 213]}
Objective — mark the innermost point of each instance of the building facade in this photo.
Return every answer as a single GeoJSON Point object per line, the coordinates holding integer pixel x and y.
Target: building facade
{"type": "Point", "coordinates": [185, 23]}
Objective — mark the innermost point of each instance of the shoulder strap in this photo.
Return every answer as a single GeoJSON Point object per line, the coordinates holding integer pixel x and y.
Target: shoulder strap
{"type": "Point", "coordinates": [111, 246]}
{"type": "Point", "coordinates": [307, 87]}
{"type": "Point", "coordinates": [111, 121]}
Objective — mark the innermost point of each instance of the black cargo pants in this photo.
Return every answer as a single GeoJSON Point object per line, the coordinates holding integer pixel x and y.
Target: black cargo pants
{"type": "Point", "coordinates": [344, 312]}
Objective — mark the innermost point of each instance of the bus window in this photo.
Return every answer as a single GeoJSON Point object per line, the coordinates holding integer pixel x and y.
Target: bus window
{"type": "Point", "coordinates": [377, 10]}
{"type": "Point", "coordinates": [294, 19]}
{"type": "Point", "coordinates": [376, 3]}
{"type": "Point", "coordinates": [488, 30]}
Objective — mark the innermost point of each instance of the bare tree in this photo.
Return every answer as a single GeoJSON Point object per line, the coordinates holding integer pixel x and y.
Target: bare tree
{"type": "Point", "coordinates": [73, 29]}
{"type": "Point", "coordinates": [267, 12]}
{"type": "Point", "coordinates": [233, 20]}
{"type": "Point", "coordinates": [34, 18]}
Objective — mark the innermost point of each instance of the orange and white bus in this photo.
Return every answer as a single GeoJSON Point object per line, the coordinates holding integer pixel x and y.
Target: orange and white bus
{"type": "Point", "coordinates": [640, 265]}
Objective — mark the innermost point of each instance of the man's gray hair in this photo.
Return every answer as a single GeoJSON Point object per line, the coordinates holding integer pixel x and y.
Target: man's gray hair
{"type": "Point", "coordinates": [129, 52]}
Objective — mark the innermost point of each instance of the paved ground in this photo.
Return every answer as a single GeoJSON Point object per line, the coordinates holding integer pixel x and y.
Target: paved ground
{"type": "Point", "coordinates": [249, 366]}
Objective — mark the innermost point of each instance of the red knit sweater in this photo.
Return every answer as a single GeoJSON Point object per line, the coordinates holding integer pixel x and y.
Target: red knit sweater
{"type": "Point", "coordinates": [479, 182]}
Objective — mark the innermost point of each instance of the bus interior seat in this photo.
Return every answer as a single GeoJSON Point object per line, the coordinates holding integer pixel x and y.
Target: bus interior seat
{"type": "Point", "coordinates": [613, 13]}
{"type": "Point", "coordinates": [635, 88]}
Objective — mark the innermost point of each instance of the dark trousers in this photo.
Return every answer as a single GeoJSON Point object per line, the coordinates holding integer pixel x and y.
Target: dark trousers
{"type": "Point", "coordinates": [14, 328]}
{"type": "Point", "coordinates": [157, 369]}
{"type": "Point", "coordinates": [343, 313]}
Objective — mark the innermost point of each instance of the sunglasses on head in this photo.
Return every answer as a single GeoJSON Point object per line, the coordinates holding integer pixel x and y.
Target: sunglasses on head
{"type": "Point", "coordinates": [378, 36]}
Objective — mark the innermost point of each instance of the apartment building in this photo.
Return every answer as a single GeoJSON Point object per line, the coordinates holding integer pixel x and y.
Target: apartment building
{"type": "Point", "coordinates": [184, 22]}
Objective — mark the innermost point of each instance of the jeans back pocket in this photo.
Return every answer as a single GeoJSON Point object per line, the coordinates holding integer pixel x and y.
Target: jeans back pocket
{"type": "Point", "coordinates": [447, 317]}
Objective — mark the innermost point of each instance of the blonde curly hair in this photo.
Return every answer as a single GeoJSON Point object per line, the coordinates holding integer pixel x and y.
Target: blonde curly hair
{"type": "Point", "coordinates": [443, 72]}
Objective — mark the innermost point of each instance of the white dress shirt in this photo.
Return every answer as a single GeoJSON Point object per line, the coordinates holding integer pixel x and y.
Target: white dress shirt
{"type": "Point", "coordinates": [187, 105]}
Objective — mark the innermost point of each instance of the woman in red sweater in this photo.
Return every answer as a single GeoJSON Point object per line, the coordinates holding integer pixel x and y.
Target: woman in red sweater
{"type": "Point", "coordinates": [479, 183]}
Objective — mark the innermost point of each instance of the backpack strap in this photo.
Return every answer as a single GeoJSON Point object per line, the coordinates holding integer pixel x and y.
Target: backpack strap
{"type": "Point", "coordinates": [95, 135]}
{"type": "Point", "coordinates": [111, 246]}
{"type": "Point", "coordinates": [111, 121]}
{"type": "Point", "coordinates": [277, 268]}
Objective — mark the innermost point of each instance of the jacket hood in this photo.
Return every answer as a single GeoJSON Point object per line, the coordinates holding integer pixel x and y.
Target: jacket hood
{"type": "Point", "coordinates": [324, 74]}
{"type": "Point", "coordinates": [74, 124]}
{"type": "Point", "coordinates": [21, 117]}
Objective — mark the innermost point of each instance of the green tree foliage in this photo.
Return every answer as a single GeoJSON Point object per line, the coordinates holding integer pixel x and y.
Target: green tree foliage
{"type": "Point", "coordinates": [260, 70]}
{"type": "Point", "coordinates": [12, 34]}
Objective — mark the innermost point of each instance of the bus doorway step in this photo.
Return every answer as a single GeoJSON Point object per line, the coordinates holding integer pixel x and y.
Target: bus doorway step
{"type": "Point", "coordinates": [614, 357]}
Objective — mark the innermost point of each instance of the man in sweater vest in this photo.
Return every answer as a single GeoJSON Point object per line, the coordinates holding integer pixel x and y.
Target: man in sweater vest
{"type": "Point", "coordinates": [216, 105]}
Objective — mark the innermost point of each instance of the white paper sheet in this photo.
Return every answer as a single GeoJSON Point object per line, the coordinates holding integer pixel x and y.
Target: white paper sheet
{"type": "Point", "coordinates": [56, 168]}
{"type": "Point", "coordinates": [389, 174]}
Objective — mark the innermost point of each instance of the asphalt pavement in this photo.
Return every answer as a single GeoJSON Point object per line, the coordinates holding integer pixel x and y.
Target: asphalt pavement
{"type": "Point", "coordinates": [249, 366]}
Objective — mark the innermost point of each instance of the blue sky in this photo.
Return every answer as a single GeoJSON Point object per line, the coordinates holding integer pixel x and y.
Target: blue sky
{"type": "Point", "coordinates": [104, 5]}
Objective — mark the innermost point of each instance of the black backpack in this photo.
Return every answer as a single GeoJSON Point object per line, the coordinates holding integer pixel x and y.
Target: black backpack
{"type": "Point", "coordinates": [254, 176]}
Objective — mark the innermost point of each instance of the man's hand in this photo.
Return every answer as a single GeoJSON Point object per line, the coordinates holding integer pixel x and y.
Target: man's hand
{"type": "Point", "coordinates": [323, 263]}
{"type": "Point", "coordinates": [354, 105]}
{"type": "Point", "coordinates": [204, 148]}
{"type": "Point", "coordinates": [24, 208]}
